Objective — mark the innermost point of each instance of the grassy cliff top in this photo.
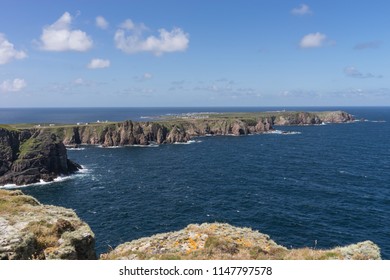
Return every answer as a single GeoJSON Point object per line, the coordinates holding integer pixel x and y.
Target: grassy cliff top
{"type": "Point", "coordinates": [178, 118]}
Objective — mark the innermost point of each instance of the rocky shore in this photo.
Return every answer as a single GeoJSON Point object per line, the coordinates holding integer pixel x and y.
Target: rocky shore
{"type": "Point", "coordinates": [30, 230]}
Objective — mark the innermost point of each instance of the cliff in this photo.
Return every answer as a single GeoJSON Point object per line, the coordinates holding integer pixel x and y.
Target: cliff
{"type": "Point", "coordinates": [182, 129]}
{"type": "Point", "coordinates": [30, 230]}
{"type": "Point", "coordinates": [222, 241]}
{"type": "Point", "coordinates": [28, 156]}
{"type": "Point", "coordinates": [164, 132]}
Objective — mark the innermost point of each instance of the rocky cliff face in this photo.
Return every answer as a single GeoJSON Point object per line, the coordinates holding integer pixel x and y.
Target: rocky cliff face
{"type": "Point", "coordinates": [307, 118]}
{"type": "Point", "coordinates": [222, 241]}
{"type": "Point", "coordinates": [30, 230]}
{"type": "Point", "coordinates": [182, 130]}
{"type": "Point", "coordinates": [143, 133]}
{"type": "Point", "coordinates": [28, 156]}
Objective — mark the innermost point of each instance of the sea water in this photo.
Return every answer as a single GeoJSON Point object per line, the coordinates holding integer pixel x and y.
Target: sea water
{"type": "Point", "coordinates": [322, 187]}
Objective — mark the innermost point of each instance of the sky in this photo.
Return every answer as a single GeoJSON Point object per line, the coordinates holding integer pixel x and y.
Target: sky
{"type": "Point", "coordinates": [80, 53]}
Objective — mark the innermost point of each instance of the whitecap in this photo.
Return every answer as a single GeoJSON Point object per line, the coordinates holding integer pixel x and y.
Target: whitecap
{"type": "Point", "coordinates": [281, 132]}
{"type": "Point", "coordinates": [145, 146]}
{"type": "Point", "coordinates": [75, 149]}
{"type": "Point", "coordinates": [185, 143]}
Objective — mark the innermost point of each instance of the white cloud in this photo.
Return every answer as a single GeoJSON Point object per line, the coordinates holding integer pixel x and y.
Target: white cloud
{"type": "Point", "coordinates": [98, 63]}
{"type": "Point", "coordinates": [60, 37]}
{"type": "Point", "coordinates": [101, 22]}
{"type": "Point", "coordinates": [129, 39]}
{"type": "Point", "coordinates": [13, 85]}
{"type": "Point", "coordinates": [301, 10]}
{"type": "Point", "coordinates": [147, 76]}
{"type": "Point", "coordinates": [312, 40]}
{"type": "Point", "coordinates": [353, 72]}
{"type": "Point", "coordinates": [79, 81]}
{"type": "Point", "coordinates": [8, 52]}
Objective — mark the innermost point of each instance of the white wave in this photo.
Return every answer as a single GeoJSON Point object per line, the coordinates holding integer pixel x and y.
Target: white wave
{"type": "Point", "coordinates": [75, 149]}
{"type": "Point", "coordinates": [84, 170]}
{"type": "Point", "coordinates": [281, 132]}
{"type": "Point", "coordinates": [40, 183]}
{"type": "Point", "coordinates": [80, 172]}
{"type": "Point", "coordinates": [378, 121]}
{"type": "Point", "coordinates": [145, 146]}
{"type": "Point", "coordinates": [185, 143]}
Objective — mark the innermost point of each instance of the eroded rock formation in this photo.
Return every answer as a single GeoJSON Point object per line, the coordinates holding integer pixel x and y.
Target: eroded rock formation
{"type": "Point", "coordinates": [28, 156]}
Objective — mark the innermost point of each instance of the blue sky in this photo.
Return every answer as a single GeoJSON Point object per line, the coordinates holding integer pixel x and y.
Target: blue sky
{"type": "Point", "coordinates": [194, 53]}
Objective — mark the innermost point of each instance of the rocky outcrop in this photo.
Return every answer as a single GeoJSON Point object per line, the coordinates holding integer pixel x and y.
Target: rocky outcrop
{"type": "Point", "coordinates": [30, 230]}
{"type": "Point", "coordinates": [28, 156]}
{"type": "Point", "coordinates": [310, 118]}
{"type": "Point", "coordinates": [223, 241]}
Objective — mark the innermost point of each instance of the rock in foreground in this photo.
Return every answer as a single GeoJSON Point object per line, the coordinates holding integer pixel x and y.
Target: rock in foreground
{"type": "Point", "coordinates": [30, 230]}
{"type": "Point", "coordinates": [222, 241]}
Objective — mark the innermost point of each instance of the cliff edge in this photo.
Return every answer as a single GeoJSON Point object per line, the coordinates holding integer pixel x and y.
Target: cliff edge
{"type": "Point", "coordinates": [30, 230]}
{"type": "Point", "coordinates": [216, 241]}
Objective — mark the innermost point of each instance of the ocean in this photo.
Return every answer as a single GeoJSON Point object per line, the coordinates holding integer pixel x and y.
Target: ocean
{"type": "Point", "coordinates": [322, 187]}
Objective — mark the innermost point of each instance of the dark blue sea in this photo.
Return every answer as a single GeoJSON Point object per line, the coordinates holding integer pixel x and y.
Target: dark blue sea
{"type": "Point", "coordinates": [328, 185]}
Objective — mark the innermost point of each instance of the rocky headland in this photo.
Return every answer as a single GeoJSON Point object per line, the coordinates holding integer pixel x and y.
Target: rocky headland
{"type": "Point", "coordinates": [182, 129]}
{"type": "Point", "coordinates": [30, 230]}
{"type": "Point", "coordinates": [30, 155]}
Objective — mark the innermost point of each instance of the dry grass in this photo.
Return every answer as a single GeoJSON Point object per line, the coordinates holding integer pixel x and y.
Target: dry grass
{"type": "Point", "coordinates": [14, 202]}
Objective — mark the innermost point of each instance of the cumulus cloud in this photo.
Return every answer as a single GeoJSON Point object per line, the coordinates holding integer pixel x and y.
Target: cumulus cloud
{"type": "Point", "coordinates": [60, 37]}
{"type": "Point", "coordinates": [13, 85]}
{"type": "Point", "coordinates": [129, 39]}
{"type": "Point", "coordinates": [8, 52]}
{"type": "Point", "coordinates": [312, 40]}
{"type": "Point", "coordinates": [97, 63]}
{"type": "Point", "coordinates": [353, 72]}
{"type": "Point", "coordinates": [367, 45]}
{"type": "Point", "coordinates": [101, 22]}
{"type": "Point", "coordinates": [301, 10]}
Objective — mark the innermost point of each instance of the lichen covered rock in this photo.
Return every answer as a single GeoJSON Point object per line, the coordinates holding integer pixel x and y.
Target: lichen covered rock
{"type": "Point", "coordinates": [30, 230]}
{"type": "Point", "coordinates": [223, 241]}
